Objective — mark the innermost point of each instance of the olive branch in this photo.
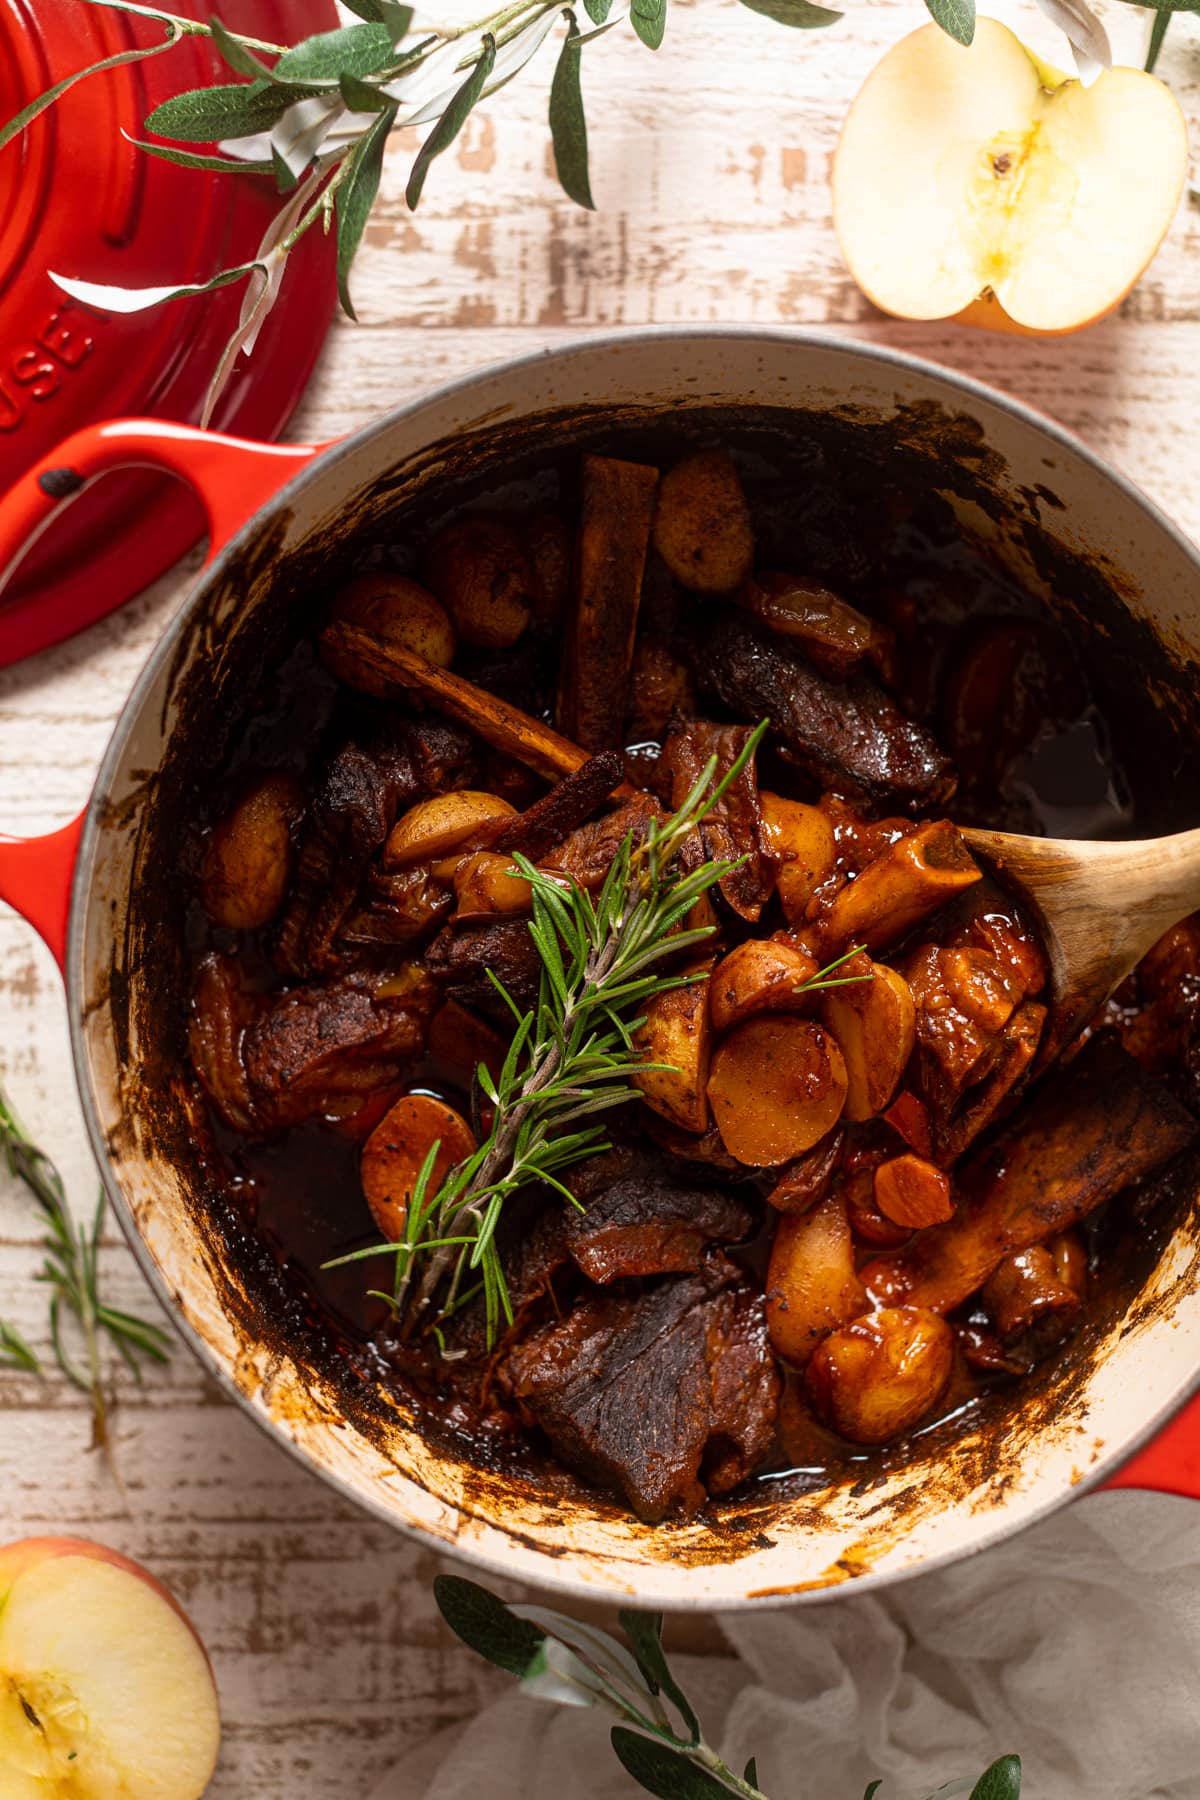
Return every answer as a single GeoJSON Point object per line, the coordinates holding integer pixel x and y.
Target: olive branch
{"type": "Point", "coordinates": [316, 115]}
{"type": "Point", "coordinates": [658, 1738]}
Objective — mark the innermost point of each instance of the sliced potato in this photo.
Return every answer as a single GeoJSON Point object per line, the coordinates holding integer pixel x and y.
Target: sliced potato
{"type": "Point", "coordinates": [913, 1192]}
{"type": "Point", "coordinates": [878, 1376]}
{"type": "Point", "coordinates": [484, 883]}
{"type": "Point", "coordinates": [249, 856]}
{"type": "Point", "coordinates": [802, 838]}
{"type": "Point", "coordinates": [678, 1033]}
{"type": "Point", "coordinates": [812, 1287]}
{"type": "Point", "coordinates": [777, 1086]}
{"type": "Point", "coordinates": [402, 612]}
{"type": "Point", "coordinates": [758, 976]}
{"type": "Point", "coordinates": [875, 1024]}
{"type": "Point", "coordinates": [396, 1150]}
{"type": "Point", "coordinates": [481, 571]}
{"type": "Point", "coordinates": [432, 828]}
{"type": "Point", "coordinates": [702, 526]}
{"type": "Point", "coordinates": [909, 880]}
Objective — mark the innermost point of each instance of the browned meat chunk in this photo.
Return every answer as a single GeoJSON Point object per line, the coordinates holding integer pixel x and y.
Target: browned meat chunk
{"type": "Point", "coordinates": [461, 955]}
{"type": "Point", "coordinates": [569, 803]}
{"type": "Point", "coordinates": [849, 735]}
{"type": "Point", "coordinates": [654, 1396]}
{"type": "Point", "coordinates": [586, 855]}
{"type": "Point", "coordinates": [352, 812]}
{"type": "Point", "coordinates": [643, 1226]}
{"type": "Point", "coordinates": [1089, 1131]}
{"type": "Point", "coordinates": [397, 908]}
{"type": "Point", "coordinates": [734, 827]}
{"type": "Point", "coordinates": [318, 1049]}
{"type": "Point", "coordinates": [221, 1011]}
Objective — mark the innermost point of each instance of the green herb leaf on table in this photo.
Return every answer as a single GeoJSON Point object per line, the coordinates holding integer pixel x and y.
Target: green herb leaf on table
{"type": "Point", "coordinates": [801, 14]}
{"type": "Point", "coordinates": [597, 10]}
{"type": "Point", "coordinates": [356, 197]}
{"type": "Point", "coordinates": [241, 109]}
{"type": "Point", "coordinates": [70, 1272]}
{"type": "Point", "coordinates": [644, 1631]}
{"type": "Point", "coordinates": [194, 159]}
{"type": "Point", "coordinates": [1001, 1781]}
{"type": "Point", "coordinates": [239, 57]}
{"type": "Point", "coordinates": [956, 18]}
{"type": "Point", "coordinates": [451, 121]}
{"type": "Point", "coordinates": [353, 50]}
{"type": "Point", "coordinates": [132, 300]}
{"type": "Point", "coordinates": [663, 1770]}
{"type": "Point", "coordinates": [486, 1625]}
{"type": "Point", "coordinates": [649, 21]}
{"type": "Point", "coordinates": [568, 126]}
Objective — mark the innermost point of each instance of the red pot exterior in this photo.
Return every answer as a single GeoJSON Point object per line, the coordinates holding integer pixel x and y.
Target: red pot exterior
{"type": "Point", "coordinates": [77, 198]}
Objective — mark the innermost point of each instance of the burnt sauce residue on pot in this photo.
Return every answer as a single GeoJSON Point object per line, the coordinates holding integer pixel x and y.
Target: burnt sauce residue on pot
{"type": "Point", "coordinates": [1044, 728]}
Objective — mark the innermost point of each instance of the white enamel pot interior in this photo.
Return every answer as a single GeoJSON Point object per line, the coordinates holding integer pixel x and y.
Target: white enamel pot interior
{"type": "Point", "coordinates": [954, 1492]}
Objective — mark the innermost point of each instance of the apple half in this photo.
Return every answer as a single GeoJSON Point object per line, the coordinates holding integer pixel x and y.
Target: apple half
{"type": "Point", "coordinates": [106, 1692]}
{"type": "Point", "coordinates": [982, 183]}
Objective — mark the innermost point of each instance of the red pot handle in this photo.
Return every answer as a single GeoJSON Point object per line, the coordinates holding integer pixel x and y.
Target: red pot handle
{"type": "Point", "coordinates": [233, 477]}
{"type": "Point", "coordinates": [1170, 1462]}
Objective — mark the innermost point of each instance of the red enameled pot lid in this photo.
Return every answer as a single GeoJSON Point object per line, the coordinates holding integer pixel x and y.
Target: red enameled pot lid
{"type": "Point", "coordinates": [76, 197]}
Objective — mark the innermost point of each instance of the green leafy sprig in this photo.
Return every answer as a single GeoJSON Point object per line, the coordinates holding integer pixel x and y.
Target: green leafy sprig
{"type": "Point", "coordinates": [658, 1737]}
{"type": "Point", "coordinates": [317, 114]}
{"type": "Point", "coordinates": [570, 1059]}
{"type": "Point", "coordinates": [71, 1273]}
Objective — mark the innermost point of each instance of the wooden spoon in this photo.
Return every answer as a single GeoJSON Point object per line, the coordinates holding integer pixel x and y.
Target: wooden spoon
{"type": "Point", "coordinates": [1100, 907]}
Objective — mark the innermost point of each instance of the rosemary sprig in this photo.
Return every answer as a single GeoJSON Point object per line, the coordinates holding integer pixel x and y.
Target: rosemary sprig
{"type": "Point", "coordinates": [558, 1658]}
{"type": "Point", "coordinates": [71, 1273]}
{"type": "Point", "coordinates": [570, 1058]}
{"type": "Point", "coordinates": [822, 978]}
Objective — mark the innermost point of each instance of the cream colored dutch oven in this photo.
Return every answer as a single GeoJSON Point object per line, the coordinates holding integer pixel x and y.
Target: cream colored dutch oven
{"type": "Point", "coordinates": [103, 892]}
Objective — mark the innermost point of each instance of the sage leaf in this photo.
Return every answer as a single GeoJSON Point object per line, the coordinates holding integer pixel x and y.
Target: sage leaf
{"type": "Point", "coordinates": [750, 1773]}
{"type": "Point", "coordinates": [356, 196]}
{"type": "Point", "coordinates": [650, 21]}
{"type": "Point", "coordinates": [597, 10]}
{"type": "Point", "coordinates": [956, 18]}
{"type": "Point", "coordinates": [397, 18]}
{"type": "Point", "coordinates": [300, 133]}
{"type": "Point", "coordinates": [557, 1674]}
{"type": "Point", "coordinates": [104, 298]}
{"type": "Point", "coordinates": [202, 115]}
{"type": "Point", "coordinates": [28, 114]}
{"type": "Point", "coordinates": [801, 14]}
{"type": "Point", "coordinates": [352, 50]}
{"type": "Point", "coordinates": [512, 57]}
{"type": "Point", "coordinates": [486, 1625]}
{"type": "Point", "coordinates": [241, 60]}
{"type": "Point", "coordinates": [451, 121]}
{"type": "Point", "coordinates": [192, 159]}
{"type": "Point", "coordinates": [872, 1789]}
{"type": "Point", "coordinates": [568, 127]}
{"type": "Point", "coordinates": [601, 1651]}
{"type": "Point", "coordinates": [644, 1631]}
{"type": "Point", "coordinates": [1085, 34]}
{"type": "Point", "coordinates": [360, 96]}
{"type": "Point", "coordinates": [1001, 1781]}
{"type": "Point", "coordinates": [664, 1771]}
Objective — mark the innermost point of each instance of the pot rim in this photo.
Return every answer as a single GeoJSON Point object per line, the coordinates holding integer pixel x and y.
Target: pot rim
{"type": "Point", "coordinates": [552, 1578]}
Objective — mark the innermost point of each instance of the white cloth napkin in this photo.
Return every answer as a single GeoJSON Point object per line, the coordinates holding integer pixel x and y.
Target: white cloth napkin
{"type": "Point", "coordinates": [1076, 1645]}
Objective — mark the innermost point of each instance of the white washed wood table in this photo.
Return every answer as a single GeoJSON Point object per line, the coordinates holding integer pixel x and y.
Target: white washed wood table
{"type": "Point", "coordinates": [710, 169]}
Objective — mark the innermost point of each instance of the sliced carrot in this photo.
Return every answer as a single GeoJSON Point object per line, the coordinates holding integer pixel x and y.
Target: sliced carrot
{"type": "Point", "coordinates": [394, 1153]}
{"type": "Point", "coordinates": [912, 1192]}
